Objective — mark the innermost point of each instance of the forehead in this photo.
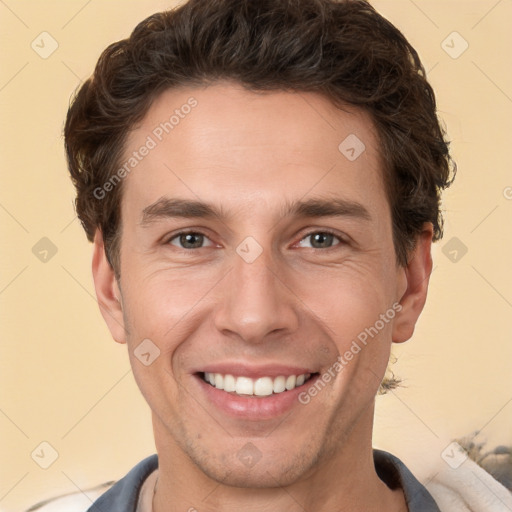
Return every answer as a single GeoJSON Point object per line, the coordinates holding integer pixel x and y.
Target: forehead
{"type": "Point", "coordinates": [245, 150]}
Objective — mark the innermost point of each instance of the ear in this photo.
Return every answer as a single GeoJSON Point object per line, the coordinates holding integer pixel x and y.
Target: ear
{"type": "Point", "coordinates": [107, 290]}
{"type": "Point", "coordinates": [417, 276]}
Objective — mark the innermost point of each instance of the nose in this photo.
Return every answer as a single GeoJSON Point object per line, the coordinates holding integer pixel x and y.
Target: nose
{"type": "Point", "coordinates": [256, 302]}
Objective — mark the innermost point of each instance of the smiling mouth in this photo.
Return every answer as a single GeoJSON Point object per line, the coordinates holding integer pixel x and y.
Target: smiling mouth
{"type": "Point", "coordinates": [262, 386]}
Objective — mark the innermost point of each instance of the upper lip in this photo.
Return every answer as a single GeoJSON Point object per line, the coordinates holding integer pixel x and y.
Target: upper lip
{"type": "Point", "coordinates": [239, 369]}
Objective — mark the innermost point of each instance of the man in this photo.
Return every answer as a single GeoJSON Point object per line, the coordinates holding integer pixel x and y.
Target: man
{"type": "Point", "coordinates": [261, 181]}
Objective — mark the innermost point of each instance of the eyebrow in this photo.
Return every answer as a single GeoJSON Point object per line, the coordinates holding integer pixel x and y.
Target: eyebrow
{"type": "Point", "coordinates": [168, 208]}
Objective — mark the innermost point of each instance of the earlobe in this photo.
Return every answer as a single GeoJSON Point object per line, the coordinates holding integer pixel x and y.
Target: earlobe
{"type": "Point", "coordinates": [107, 290]}
{"type": "Point", "coordinates": [417, 275]}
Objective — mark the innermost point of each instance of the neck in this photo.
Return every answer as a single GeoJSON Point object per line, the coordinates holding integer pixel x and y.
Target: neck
{"type": "Point", "coordinates": [344, 481]}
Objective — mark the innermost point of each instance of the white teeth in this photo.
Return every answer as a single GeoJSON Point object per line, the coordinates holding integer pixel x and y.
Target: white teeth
{"type": "Point", "coordinates": [219, 381]}
{"type": "Point", "coordinates": [279, 384]}
{"type": "Point", "coordinates": [244, 386]}
{"type": "Point", "coordinates": [229, 383]}
{"type": "Point", "coordinates": [290, 382]}
{"type": "Point", "coordinates": [264, 386]}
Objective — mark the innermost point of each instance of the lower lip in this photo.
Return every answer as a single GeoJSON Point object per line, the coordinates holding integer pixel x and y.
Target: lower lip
{"type": "Point", "coordinates": [254, 407]}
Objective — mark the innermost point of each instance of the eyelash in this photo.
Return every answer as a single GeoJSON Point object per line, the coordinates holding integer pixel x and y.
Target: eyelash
{"type": "Point", "coordinates": [192, 232]}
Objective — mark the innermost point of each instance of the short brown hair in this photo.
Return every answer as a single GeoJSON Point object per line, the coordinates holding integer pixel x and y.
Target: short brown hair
{"type": "Point", "coordinates": [342, 49]}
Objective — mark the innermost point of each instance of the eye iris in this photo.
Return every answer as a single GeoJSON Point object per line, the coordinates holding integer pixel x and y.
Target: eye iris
{"type": "Point", "coordinates": [189, 237]}
{"type": "Point", "coordinates": [187, 240]}
{"type": "Point", "coordinates": [321, 238]}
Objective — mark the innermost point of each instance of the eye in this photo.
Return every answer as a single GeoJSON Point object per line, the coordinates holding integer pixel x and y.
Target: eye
{"type": "Point", "coordinates": [321, 239]}
{"type": "Point", "coordinates": [194, 240]}
{"type": "Point", "coordinates": [189, 240]}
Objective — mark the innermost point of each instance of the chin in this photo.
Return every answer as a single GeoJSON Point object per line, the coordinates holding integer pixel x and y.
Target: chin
{"type": "Point", "coordinates": [248, 467]}
{"type": "Point", "coordinates": [262, 475]}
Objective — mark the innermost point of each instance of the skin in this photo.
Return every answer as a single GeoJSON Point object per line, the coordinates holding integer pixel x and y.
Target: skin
{"type": "Point", "coordinates": [298, 303]}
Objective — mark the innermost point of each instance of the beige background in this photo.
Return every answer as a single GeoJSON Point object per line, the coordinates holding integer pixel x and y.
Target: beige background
{"type": "Point", "coordinates": [64, 381]}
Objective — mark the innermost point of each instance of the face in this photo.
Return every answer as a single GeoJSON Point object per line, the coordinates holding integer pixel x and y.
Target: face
{"type": "Point", "coordinates": [256, 253]}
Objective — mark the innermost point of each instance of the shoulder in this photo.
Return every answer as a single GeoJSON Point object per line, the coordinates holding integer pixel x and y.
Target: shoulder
{"type": "Point", "coordinates": [469, 488]}
{"type": "Point", "coordinates": [394, 473]}
{"type": "Point", "coordinates": [124, 495]}
{"type": "Point", "coordinates": [74, 502]}
{"type": "Point", "coordinates": [118, 496]}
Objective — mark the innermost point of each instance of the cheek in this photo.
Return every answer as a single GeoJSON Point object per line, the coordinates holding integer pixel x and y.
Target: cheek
{"type": "Point", "coordinates": [161, 304]}
{"type": "Point", "coordinates": [357, 309]}
{"type": "Point", "coordinates": [348, 299]}
{"type": "Point", "coordinates": [164, 302]}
